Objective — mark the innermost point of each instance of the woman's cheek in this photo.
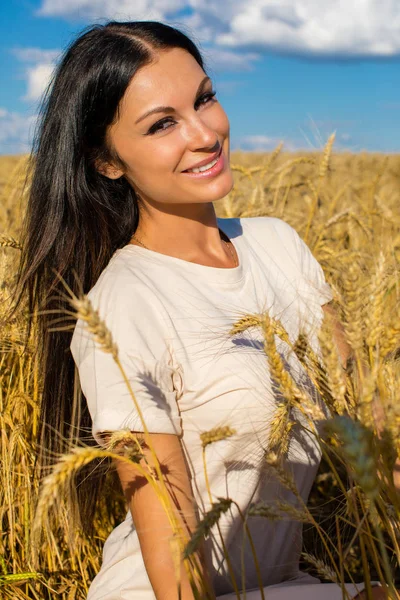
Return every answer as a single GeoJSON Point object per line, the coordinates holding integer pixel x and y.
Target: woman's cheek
{"type": "Point", "coordinates": [217, 119]}
{"type": "Point", "coordinates": [153, 159]}
{"type": "Point", "coordinates": [224, 126]}
{"type": "Point", "coordinates": [168, 156]}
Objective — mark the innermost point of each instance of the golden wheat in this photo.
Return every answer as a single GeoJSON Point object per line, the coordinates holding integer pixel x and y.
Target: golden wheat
{"type": "Point", "coordinates": [346, 208]}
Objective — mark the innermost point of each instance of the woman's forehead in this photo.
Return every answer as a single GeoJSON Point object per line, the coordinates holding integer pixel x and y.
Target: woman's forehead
{"type": "Point", "coordinates": [172, 73]}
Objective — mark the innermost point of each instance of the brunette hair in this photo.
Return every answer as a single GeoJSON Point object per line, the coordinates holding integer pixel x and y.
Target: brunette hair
{"type": "Point", "coordinates": [76, 217]}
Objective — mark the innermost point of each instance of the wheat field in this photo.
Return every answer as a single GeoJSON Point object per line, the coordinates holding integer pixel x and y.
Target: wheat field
{"type": "Point", "coordinates": [345, 206]}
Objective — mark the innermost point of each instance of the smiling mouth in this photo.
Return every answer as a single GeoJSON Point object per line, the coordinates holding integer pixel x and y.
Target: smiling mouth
{"type": "Point", "coordinates": [206, 167]}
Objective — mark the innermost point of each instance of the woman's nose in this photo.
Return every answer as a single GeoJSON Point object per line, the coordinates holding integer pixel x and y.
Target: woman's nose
{"type": "Point", "coordinates": [200, 135]}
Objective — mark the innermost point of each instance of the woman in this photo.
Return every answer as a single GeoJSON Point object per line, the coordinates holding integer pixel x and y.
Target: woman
{"type": "Point", "coordinates": [132, 152]}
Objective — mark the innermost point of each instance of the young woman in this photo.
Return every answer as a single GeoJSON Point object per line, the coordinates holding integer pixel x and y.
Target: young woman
{"type": "Point", "coordinates": [132, 152]}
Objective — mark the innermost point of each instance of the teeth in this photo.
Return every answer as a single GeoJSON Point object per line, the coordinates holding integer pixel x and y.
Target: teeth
{"type": "Point", "coordinates": [204, 167]}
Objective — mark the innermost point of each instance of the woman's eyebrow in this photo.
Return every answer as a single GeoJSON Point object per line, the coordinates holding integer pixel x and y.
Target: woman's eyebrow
{"type": "Point", "coordinates": [170, 109]}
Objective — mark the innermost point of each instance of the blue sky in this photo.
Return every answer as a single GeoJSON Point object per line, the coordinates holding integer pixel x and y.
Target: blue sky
{"type": "Point", "coordinates": [290, 70]}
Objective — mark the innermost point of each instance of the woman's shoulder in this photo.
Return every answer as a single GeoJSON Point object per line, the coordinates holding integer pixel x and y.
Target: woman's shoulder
{"type": "Point", "coordinates": [273, 234]}
{"type": "Point", "coordinates": [120, 286]}
{"type": "Point", "coordinates": [267, 224]}
{"type": "Point", "coordinates": [284, 246]}
{"type": "Point", "coordinates": [124, 302]}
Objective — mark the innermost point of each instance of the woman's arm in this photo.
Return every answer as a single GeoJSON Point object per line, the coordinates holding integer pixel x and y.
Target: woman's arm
{"type": "Point", "coordinates": [338, 334]}
{"type": "Point", "coordinates": [151, 521]}
{"type": "Point", "coordinates": [346, 352]}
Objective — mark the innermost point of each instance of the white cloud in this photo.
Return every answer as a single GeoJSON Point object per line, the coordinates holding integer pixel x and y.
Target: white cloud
{"type": "Point", "coordinates": [262, 143]}
{"type": "Point", "coordinates": [227, 60]}
{"type": "Point", "coordinates": [36, 55]}
{"type": "Point", "coordinates": [39, 72]}
{"type": "Point", "coordinates": [197, 27]}
{"type": "Point", "coordinates": [361, 28]}
{"type": "Point", "coordinates": [16, 131]}
{"type": "Point", "coordinates": [304, 142]}
{"type": "Point", "coordinates": [38, 78]}
{"type": "Point", "coordinates": [111, 9]}
{"type": "Point", "coordinates": [315, 27]}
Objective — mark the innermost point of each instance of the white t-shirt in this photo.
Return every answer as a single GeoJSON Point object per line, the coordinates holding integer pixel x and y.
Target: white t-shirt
{"type": "Point", "coordinates": [171, 319]}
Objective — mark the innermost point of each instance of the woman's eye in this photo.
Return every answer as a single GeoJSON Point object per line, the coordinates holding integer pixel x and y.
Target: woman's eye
{"type": "Point", "coordinates": [159, 125]}
{"type": "Point", "coordinates": [204, 99]}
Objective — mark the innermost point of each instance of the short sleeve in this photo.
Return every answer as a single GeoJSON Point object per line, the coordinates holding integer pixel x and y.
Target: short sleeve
{"type": "Point", "coordinates": [312, 283]}
{"type": "Point", "coordinates": [139, 330]}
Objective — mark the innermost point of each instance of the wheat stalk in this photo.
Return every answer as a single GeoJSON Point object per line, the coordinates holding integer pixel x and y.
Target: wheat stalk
{"type": "Point", "coordinates": [216, 434]}
{"type": "Point", "coordinates": [205, 525]}
{"type": "Point", "coordinates": [321, 567]}
{"type": "Point", "coordinates": [9, 242]}
{"type": "Point", "coordinates": [278, 512]}
{"type": "Point", "coordinates": [354, 200]}
{"type": "Point", "coordinates": [95, 325]}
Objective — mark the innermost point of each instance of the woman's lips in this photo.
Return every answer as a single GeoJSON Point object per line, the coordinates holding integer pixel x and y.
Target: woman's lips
{"type": "Point", "coordinates": [215, 170]}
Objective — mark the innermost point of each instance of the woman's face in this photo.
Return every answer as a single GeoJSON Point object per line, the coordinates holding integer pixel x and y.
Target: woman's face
{"type": "Point", "coordinates": [158, 148]}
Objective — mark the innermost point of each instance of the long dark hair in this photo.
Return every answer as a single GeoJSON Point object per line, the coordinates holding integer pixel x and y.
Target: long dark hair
{"type": "Point", "coordinates": [76, 217]}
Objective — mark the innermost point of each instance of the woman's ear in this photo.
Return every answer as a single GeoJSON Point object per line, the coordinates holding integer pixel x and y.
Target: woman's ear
{"type": "Point", "coordinates": [108, 170]}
